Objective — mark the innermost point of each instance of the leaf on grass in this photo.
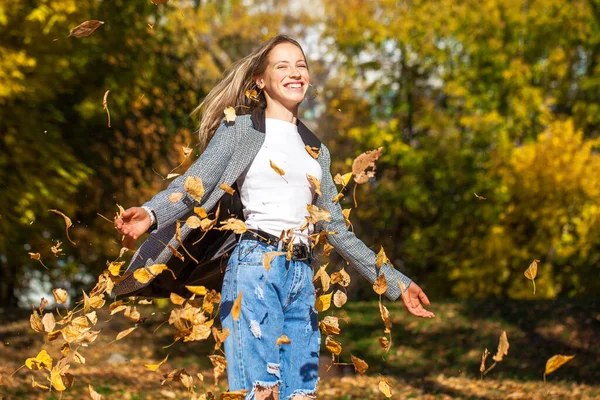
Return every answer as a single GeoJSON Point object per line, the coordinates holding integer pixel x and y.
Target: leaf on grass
{"type": "Point", "coordinates": [175, 197]}
{"type": "Point", "coordinates": [276, 168]}
{"type": "Point", "coordinates": [228, 189]}
{"type": "Point", "coordinates": [315, 182]}
{"type": "Point", "coordinates": [176, 299]}
{"type": "Point", "coordinates": [313, 151]}
{"type": "Point", "coordinates": [237, 307]}
{"type": "Point", "coordinates": [323, 302]}
{"type": "Point", "coordinates": [68, 224]}
{"type": "Point", "coordinates": [85, 28]}
{"type": "Point", "coordinates": [126, 332]}
{"type": "Point", "coordinates": [145, 275]}
{"type": "Point", "coordinates": [194, 187]}
{"type": "Point", "coordinates": [502, 347]}
{"type": "Point", "coordinates": [380, 285]}
{"type": "Point", "coordinates": [197, 290]}
{"type": "Point", "coordinates": [154, 367]}
{"type": "Point", "coordinates": [333, 346]}
{"type": "Point", "coordinates": [339, 298]}
{"type": "Point", "coordinates": [384, 387]}
{"type": "Point", "coordinates": [360, 366]}
{"type": "Point", "coordinates": [531, 272]}
{"type": "Point", "coordinates": [229, 114]}
{"type": "Point", "coordinates": [363, 166]}
{"type": "Point", "coordinates": [233, 224]}
{"type": "Point", "coordinates": [555, 362]}
{"type": "Point", "coordinates": [269, 256]}
{"type": "Point", "coordinates": [381, 258]}
{"type": "Point", "coordinates": [105, 105]}
{"type": "Point", "coordinates": [317, 214]}
{"type": "Point", "coordinates": [283, 339]}
{"type": "Point", "coordinates": [93, 394]}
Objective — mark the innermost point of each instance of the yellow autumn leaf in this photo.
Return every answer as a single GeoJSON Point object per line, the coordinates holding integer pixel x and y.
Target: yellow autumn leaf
{"type": "Point", "coordinates": [60, 295]}
{"type": "Point", "coordinates": [228, 189]}
{"type": "Point", "coordinates": [237, 307]}
{"type": "Point", "coordinates": [233, 224]}
{"type": "Point", "coordinates": [346, 213]}
{"type": "Point", "coordinates": [384, 343]}
{"type": "Point", "coordinates": [502, 347]}
{"type": "Point", "coordinates": [201, 212]}
{"type": "Point", "coordinates": [37, 257]}
{"type": "Point", "coordinates": [93, 394]}
{"type": "Point", "coordinates": [313, 151]}
{"type": "Point", "coordinates": [340, 277]}
{"type": "Point", "coordinates": [237, 395]}
{"type": "Point", "coordinates": [145, 275]}
{"type": "Point", "coordinates": [381, 258]}
{"type": "Point", "coordinates": [68, 224]}
{"type": "Point", "coordinates": [176, 299]}
{"type": "Point", "coordinates": [126, 332]}
{"type": "Point", "coordinates": [342, 179]}
{"type": "Point", "coordinates": [115, 267]}
{"type": "Point", "coordinates": [339, 298]}
{"type": "Point", "coordinates": [531, 272]}
{"type": "Point", "coordinates": [323, 302]}
{"type": "Point", "coordinates": [283, 339]}
{"type": "Point", "coordinates": [175, 197]}
{"type": "Point", "coordinates": [56, 380]}
{"type": "Point", "coordinates": [34, 384]}
{"type": "Point", "coordinates": [276, 168]}
{"type": "Point", "coordinates": [360, 366]}
{"type": "Point", "coordinates": [194, 187]}
{"type": "Point", "coordinates": [317, 214]}
{"type": "Point", "coordinates": [251, 94]}
{"type": "Point", "coordinates": [36, 322]}
{"type": "Point", "coordinates": [555, 362]}
{"type": "Point", "coordinates": [385, 316]}
{"type": "Point", "coordinates": [269, 256]}
{"type": "Point", "coordinates": [84, 29]}
{"type": "Point", "coordinates": [229, 114]}
{"type": "Point", "coordinates": [193, 222]}
{"type": "Point", "coordinates": [154, 367]}
{"type": "Point", "coordinates": [484, 357]}
{"type": "Point", "coordinates": [105, 105]}
{"type": "Point", "coordinates": [197, 290]}
{"type": "Point", "coordinates": [337, 198]}
{"type": "Point", "coordinates": [384, 387]}
{"type": "Point", "coordinates": [42, 360]}
{"type": "Point", "coordinates": [315, 182]}
{"type": "Point", "coordinates": [333, 346]}
{"type": "Point", "coordinates": [380, 285]}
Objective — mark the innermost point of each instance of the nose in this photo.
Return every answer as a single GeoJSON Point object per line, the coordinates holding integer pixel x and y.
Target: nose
{"type": "Point", "coordinates": [295, 73]}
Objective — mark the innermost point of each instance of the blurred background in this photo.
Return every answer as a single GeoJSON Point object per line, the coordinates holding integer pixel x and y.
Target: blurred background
{"type": "Point", "coordinates": [488, 112]}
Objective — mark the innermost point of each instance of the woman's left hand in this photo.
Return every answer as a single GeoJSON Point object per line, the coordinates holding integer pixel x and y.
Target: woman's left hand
{"type": "Point", "coordinates": [412, 299]}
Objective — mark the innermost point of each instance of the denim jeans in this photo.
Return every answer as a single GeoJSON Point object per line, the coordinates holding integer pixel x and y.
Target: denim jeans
{"type": "Point", "coordinates": [274, 302]}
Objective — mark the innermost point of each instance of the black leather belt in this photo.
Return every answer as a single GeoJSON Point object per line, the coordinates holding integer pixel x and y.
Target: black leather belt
{"type": "Point", "coordinates": [300, 251]}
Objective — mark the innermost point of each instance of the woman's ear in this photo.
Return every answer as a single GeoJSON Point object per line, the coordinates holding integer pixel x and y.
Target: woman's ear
{"type": "Point", "coordinates": [259, 83]}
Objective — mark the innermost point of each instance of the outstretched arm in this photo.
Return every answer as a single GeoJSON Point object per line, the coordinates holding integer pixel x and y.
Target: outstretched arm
{"type": "Point", "coordinates": [353, 250]}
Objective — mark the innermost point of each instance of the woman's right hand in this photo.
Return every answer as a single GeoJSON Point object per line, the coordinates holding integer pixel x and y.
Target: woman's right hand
{"type": "Point", "coordinates": [133, 222]}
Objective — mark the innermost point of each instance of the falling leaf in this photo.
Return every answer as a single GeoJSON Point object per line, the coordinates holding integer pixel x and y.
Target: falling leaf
{"type": "Point", "coordinates": [229, 114]}
{"type": "Point", "coordinates": [233, 224]}
{"type": "Point", "coordinates": [194, 187]}
{"type": "Point", "coordinates": [220, 365]}
{"type": "Point", "coordinates": [68, 224]}
{"type": "Point", "coordinates": [176, 299]}
{"type": "Point", "coordinates": [49, 322]}
{"type": "Point", "coordinates": [384, 343]}
{"type": "Point", "coordinates": [346, 213]}
{"type": "Point", "coordinates": [37, 257]}
{"type": "Point", "coordinates": [283, 339]}
{"type": "Point", "coordinates": [219, 336]}
{"type": "Point", "coordinates": [324, 277]}
{"type": "Point", "coordinates": [333, 346]}
{"type": "Point", "coordinates": [172, 175]}
{"type": "Point", "coordinates": [381, 258]}
{"type": "Point", "coordinates": [132, 313]}
{"type": "Point", "coordinates": [531, 272]}
{"type": "Point", "coordinates": [251, 95]}
{"type": "Point", "coordinates": [175, 197]}
{"type": "Point", "coordinates": [85, 28]}
{"type": "Point", "coordinates": [92, 317]}
{"type": "Point", "coordinates": [193, 222]}
{"type": "Point", "coordinates": [380, 285]}
{"type": "Point", "coordinates": [237, 395]}
{"type": "Point", "coordinates": [315, 182]}
{"type": "Point", "coordinates": [385, 316]}
{"type": "Point", "coordinates": [42, 360]}
{"type": "Point", "coordinates": [35, 321]}
{"type": "Point", "coordinates": [228, 189]}
{"type": "Point", "coordinates": [313, 151]}
{"type": "Point", "coordinates": [176, 253]}
{"type": "Point", "coordinates": [479, 197]}
{"type": "Point", "coordinates": [340, 277]}
{"type": "Point", "coordinates": [337, 198]}
{"type": "Point", "coordinates": [323, 302]}
{"type": "Point", "coordinates": [269, 256]}
{"type": "Point", "coordinates": [93, 394]}
{"type": "Point", "coordinates": [360, 366]}
{"type": "Point", "coordinates": [145, 275]}
{"type": "Point", "coordinates": [105, 105]}
{"type": "Point", "coordinates": [276, 168]}
{"type": "Point", "coordinates": [384, 387]}
{"type": "Point", "coordinates": [555, 362]}
{"type": "Point", "coordinates": [197, 290]}
{"type": "Point", "coordinates": [124, 333]}
{"type": "Point", "coordinates": [115, 267]}
{"type": "Point", "coordinates": [34, 384]}
{"type": "Point", "coordinates": [317, 214]}
{"type": "Point", "coordinates": [330, 325]}
{"type": "Point", "coordinates": [342, 179]}
{"type": "Point", "coordinates": [362, 163]}
{"type": "Point", "coordinates": [339, 298]}
{"type": "Point", "coordinates": [56, 249]}
{"type": "Point", "coordinates": [237, 307]}
{"type": "Point", "coordinates": [43, 304]}
{"type": "Point", "coordinates": [154, 367]}
{"type": "Point", "coordinates": [201, 212]}
{"type": "Point", "coordinates": [502, 347]}
{"type": "Point", "coordinates": [484, 357]}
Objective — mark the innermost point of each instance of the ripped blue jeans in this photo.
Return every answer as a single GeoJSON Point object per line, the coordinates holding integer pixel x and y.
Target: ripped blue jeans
{"type": "Point", "coordinates": [276, 302]}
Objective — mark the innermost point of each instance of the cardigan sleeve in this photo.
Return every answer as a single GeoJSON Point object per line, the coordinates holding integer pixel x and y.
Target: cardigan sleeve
{"type": "Point", "coordinates": [209, 167]}
{"type": "Point", "coordinates": [351, 248]}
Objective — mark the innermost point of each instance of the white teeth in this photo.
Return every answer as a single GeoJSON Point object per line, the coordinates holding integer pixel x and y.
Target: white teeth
{"type": "Point", "coordinates": [295, 85]}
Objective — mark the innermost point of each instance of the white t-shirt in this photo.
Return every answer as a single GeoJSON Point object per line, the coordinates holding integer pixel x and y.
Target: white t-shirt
{"type": "Point", "coordinates": [272, 202]}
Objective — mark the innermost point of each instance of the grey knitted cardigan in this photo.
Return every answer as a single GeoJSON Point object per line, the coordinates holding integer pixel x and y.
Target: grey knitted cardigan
{"type": "Point", "coordinates": [229, 153]}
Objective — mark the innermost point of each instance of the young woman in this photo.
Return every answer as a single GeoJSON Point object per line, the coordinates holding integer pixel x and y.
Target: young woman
{"type": "Point", "coordinates": [250, 155]}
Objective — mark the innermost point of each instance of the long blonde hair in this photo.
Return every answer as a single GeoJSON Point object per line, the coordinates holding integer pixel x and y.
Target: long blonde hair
{"type": "Point", "coordinates": [231, 90]}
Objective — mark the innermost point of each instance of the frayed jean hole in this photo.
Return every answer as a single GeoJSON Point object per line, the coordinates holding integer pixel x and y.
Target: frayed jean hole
{"type": "Point", "coordinates": [258, 291]}
{"type": "Point", "coordinates": [273, 369]}
{"type": "Point", "coordinates": [255, 329]}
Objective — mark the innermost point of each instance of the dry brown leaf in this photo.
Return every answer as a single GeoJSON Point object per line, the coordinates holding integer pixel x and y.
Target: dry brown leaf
{"type": "Point", "coordinates": [36, 321]}
{"type": "Point", "coordinates": [276, 168]}
{"type": "Point", "coordinates": [201, 212]}
{"type": "Point", "coordinates": [324, 277]}
{"type": "Point", "coordinates": [283, 339]}
{"type": "Point", "coordinates": [237, 395]}
{"type": "Point", "coordinates": [42, 360]}
{"type": "Point", "coordinates": [85, 28]}
{"type": "Point", "coordinates": [360, 366]}
{"type": "Point", "coordinates": [313, 151]}
{"type": "Point", "coordinates": [176, 252]}
{"type": "Point", "coordinates": [56, 250]}
{"type": "Point", "coordinates": [145, 275]}
{"type": "Point", "coordinates": [194, 187]}
{"type": "Point", "coordinates": [385, 316]}
{"type": "Point", "coordinates": [92, 317]}
{"type": "Point", "coordinates": [323, 302]}
{"type": "Point", "coordinates": [531, 272]}
{"type": "Point", "coordinates": [228, 189]}
{"type": "Point", "coordinates": [132, 313]}
{"type": "Point", "coordinates": [197, 290]}
{"type": "Point", "coordinates": [154, 367]}
{"type": "Point", "coordinates": [330, 325]}
{"type": "Point", "coordinates": [337, 198]}
{"type": "Point", "coordinates": [68, 224]}
{"type": "Point", "coordinates": [502, 347]}
{"type": "Point", "coordinates": [105, 105]}
{"type": "Point", "coordinates": [219, 336]}
{"type": "Point", "coordinates": [193, 222]}
{"type": "Point", "coordinates": [269, 256]}
{"type": "Point", "coordinates": [176, 299]}
{"type": "Point", "coordinates": [37, 257]}
{"type": "Point", "coordinates": [315, 182]}
{"type": "Point", "coordinates": [93, 394]}
{"type": "Point", "coordinates": [339, 298]}
{"type": "Point", "coordinates": [381, 258]}
{"type": "Point", "coordinates": [363, 166]}
{"type": "Point", "coordinates": [60, 295]}
{"type": "Point", "coordinates": [237, 307]}
{"type": "Point", "coordinates": [126, 332]}
{"type": "Point", "coordinates": [384, 387]}
{"type": "Point", "coordinates": [484, 357]}
{"type": "Point", "coordinates": [229, 114]}
{"type": "Point", "coordinates": [555, 362]}
{"type": "Point", "coordinates": [333, 346]}
{"type": "Point", "coordinates": [175, 197]}
{"type": "Point", "coordinates": [49, 322]}
{"type": "Point", "coordinates": [340, 277]}
{"type": "Point", "coordinates": [342, 179]}
{"type": "Point", "coordinates": [317, 214]}
{"type": "Point", "coordinates": [380, 285]}
{"type": "Point", "coordinates": [251, 95]}
{"type": "Point", "coordinates": [233, 224]}
{"type": "Point", "coordinates": [346, 213]}
{"type": "Point", "coordinates": [220, 365]}
{"type": "Point", "coordinates": [384, 343]}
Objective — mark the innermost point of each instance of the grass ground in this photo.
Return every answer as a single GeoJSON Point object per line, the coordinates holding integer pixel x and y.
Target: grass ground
{"type": "Point", "coordinates": [429, 359]}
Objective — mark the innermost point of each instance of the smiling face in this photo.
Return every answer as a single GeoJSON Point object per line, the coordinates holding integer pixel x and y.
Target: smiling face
{"type": "Point", "coordinates": [286, 78]}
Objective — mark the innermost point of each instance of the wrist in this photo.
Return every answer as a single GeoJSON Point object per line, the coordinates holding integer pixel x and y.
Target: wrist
{"type": "Point", "coordinates": [151, 214]}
